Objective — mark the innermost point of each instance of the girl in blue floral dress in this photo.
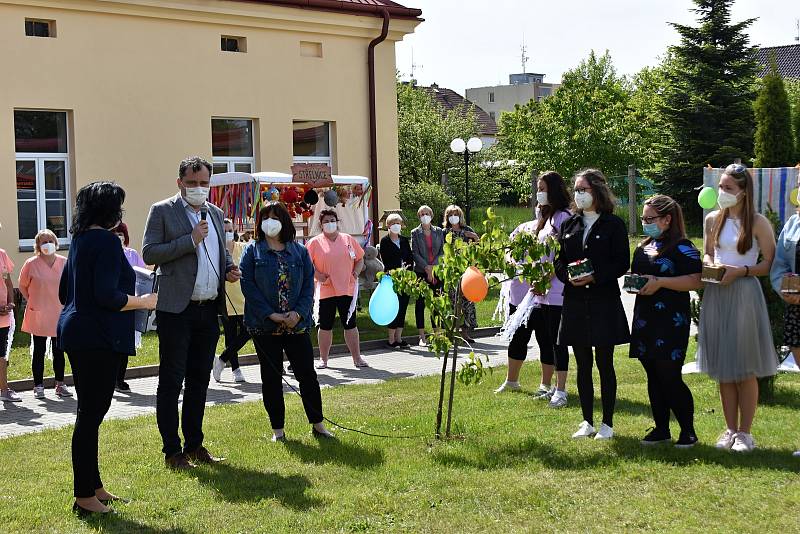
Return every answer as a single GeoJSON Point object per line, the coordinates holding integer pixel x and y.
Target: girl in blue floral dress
{"type": "Point", "coordinates": [661, 319]}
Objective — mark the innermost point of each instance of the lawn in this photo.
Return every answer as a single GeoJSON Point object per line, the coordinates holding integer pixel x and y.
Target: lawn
{"type": "Point", "coordinates": [513, 469]}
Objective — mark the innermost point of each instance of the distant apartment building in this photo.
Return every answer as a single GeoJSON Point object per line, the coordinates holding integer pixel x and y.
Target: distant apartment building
{"type": "Point", "coordinates": [522, 89]}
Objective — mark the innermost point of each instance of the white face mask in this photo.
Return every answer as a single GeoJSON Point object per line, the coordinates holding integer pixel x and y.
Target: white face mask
{"type": "Point", "coordinates": [425, 219]}
{"type": "Point", "coordinates": [727, 200]}
{"type": "Point", "coordinates": [330, 227]}
{"type": "Point", "coordinates": [196, 196]}
{"type": "Point", "coordinates": [583, 200]}
{"type": "Point", "coordinates": [453, 219]}
{"type": "Point", "coordinates": [228, 237]}
{"type": "Point", "coordinates": [48, 249]}
{"type": "Point", "coordinates": [271, 227]}
{"type": "Point", "coordinates": [395, 228]}
{"type": "Point", "coordinates": [541, 198]}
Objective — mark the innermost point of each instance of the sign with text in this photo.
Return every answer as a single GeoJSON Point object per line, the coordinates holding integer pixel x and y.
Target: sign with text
{"type": "Point", "coordinates": [313, 174]}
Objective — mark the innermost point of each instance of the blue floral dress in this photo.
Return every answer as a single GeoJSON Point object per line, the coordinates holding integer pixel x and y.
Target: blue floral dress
{"type": "Point", "coordinates": [660, 329]}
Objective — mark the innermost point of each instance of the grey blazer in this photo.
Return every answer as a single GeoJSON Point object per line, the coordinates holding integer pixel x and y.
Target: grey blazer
{"type": "Point", "coordinates": [419, 248]}
{"type": "Point", "coordinates": [168, 244]}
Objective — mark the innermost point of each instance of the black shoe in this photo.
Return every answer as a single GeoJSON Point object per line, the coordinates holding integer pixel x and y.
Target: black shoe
{"type": "Point", "coordinates": [656, 436]}
{"type": "Point", "coordinates": [123, 386]}
{"type": "Point", "coordinates": [402, 344]}
{"type": "Point", "coordinates": [321, 435]}
{"type": "Point", "coordinates": [686, 440]}
{"type": "Point", "coordinates": [278, 439]}
{"type": "Point", "coordinates": [82, 512]}
{"type": "Point", "coordinates": [391, 345]}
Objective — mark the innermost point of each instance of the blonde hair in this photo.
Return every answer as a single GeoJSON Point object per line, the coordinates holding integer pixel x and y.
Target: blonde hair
{"type": "Point", "coordinates": [424, 207]}
{"type": "Point", "coordinates": [392, 218]}
{"type": "Point", "coordinates": [452, 209]}
{"type": "Point", "coordinates": [37, 245]}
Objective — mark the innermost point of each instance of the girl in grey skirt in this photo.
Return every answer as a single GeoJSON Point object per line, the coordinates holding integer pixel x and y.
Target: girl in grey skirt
{"type": "Point", "coordinates": [735, 337]}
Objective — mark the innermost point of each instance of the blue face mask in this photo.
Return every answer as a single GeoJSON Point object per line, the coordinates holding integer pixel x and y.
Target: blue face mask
{"type": "Point", "coordinates": [652, 230]}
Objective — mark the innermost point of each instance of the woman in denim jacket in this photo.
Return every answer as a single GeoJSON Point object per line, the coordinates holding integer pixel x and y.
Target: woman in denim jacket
{"type": "Point", "coordinates": [786, 262]}
{"type": "Point", "coordinates": [278, 287]}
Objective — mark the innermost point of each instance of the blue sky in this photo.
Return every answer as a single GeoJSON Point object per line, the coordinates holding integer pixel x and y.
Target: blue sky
{"type": "Point", "coordinates": [473, 43]}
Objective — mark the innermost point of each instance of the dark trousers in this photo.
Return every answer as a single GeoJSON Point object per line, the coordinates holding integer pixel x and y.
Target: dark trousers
{"type": "Point", "coordinates": [400, 320]}
{"type": "Point", "coordinates": [298, 349]}
{"type": "Point", "coordinates": [668, 391]}
{"type": "Point", "coordinates": [94, 374]}
{"type": "Point", "coordinates": [37, 360]}
{"type": "Point", "coordinates": [419, 305]}
{"type": "Point", "coordinates": [604, 356]}
{"type": "Point", "coordinates": [236, 335]}
{"type": "Point", "coordinates": [123, 367]}
{"type": "Point", "coordinates": [187, 342]}
{"type": "Point", "coordinates": [546, 320]}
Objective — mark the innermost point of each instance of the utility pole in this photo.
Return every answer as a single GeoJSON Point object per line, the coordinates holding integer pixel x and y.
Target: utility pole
{"type": "Point", "coordinates": [633, 208]}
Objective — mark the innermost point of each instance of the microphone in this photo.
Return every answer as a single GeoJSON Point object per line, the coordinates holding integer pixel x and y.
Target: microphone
{"type": "Point", "coordinates": [203, 213]}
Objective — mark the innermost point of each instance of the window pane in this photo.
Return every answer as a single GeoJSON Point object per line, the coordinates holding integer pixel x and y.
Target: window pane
{"type": "Point", "coordinates": [311, 138]}
{"type": "Point", "coordinates": [57, 217]}
{"type": "Point", "coordinates": [242, 167]}
{"type": "Point", "coordinates": [40, 131]}
{"type": "Point", "coordinates": [232, 137]}
{"type": "Point", "coordinates": [26, 180]}
{"type": "Point", "coordinates": [55, 173]}
{"type": "Point", "coordinates": [27, 219]}
{"type": "Point", "coordinates": [220, 168]}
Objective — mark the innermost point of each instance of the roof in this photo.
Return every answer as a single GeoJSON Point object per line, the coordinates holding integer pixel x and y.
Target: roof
{"type": "Point", "coordinates": [449, 99]}
{"type": "Point", "coordinates": [355, 7]}
{"type": "Point", "coordinates": [786, 57]}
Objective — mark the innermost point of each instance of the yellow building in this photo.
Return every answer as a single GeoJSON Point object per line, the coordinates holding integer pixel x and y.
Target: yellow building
{"type": "Point", "coordinates": [124, 89]}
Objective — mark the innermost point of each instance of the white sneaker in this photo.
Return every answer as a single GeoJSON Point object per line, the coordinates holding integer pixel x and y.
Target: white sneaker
{"type": "Point", "coordinates": [584, 431]}
{"type": "Point", "coordinates": [216, 371]}
{"type": "Point", "coordinates": [605, 432]}
{"type": "Point", "coordinates": [63, 391]}
{"type": "Point", "coordinates": [544, 392]}
{"type": "Point", "coordinates": [9, 395]}
{"type": "Point", "coordinates": [725, 440]}
{"type": "Point", "coordinates": [38, 392]}
{"type": "Point", "coordinates": [559, 399]}
{"type": "Point", "coordinates": [238, 376]}
{"type": "Point", "coordinates": [743, 442]}
{"type": "Point", "coordinates": [796, 454]}
{"type": "Point", "coordinates": [508, 386]}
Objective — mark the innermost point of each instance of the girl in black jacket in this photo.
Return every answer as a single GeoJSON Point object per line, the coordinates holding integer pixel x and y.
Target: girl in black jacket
{"type": "Point", "coordinates": [592, 315]}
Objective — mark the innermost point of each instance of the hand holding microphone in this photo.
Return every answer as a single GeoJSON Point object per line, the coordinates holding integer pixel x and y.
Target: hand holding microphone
{"type": "Point", "coordinates": [200, 231]}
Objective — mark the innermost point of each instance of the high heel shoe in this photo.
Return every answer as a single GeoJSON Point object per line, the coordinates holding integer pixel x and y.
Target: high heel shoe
{"type": "Point", "coordinates": [82, 512]}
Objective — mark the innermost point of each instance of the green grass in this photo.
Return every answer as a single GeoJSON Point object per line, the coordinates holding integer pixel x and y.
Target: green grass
{"type": "Point", "coordinates": [514, 469]}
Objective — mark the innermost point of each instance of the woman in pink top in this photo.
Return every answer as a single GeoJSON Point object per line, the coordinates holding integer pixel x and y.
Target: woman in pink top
{"type": "Point", "coordinates": [338, 259]}
{"type": "Point", "coordinates": [38, 283]}
{"type": "Point", "coordinates": [6, 311]}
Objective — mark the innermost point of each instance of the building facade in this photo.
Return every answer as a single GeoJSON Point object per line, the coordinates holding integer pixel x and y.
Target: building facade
{"type": "Point", "coordinates": [125, 89]}
{"type": "Point", "coordinates": [522, 88]}
{"type": "Point", "coordinates": [448, 100]}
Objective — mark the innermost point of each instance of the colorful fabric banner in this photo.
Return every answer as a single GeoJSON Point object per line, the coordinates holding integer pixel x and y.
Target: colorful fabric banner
{"type": "Point", "coordinates": [773, 188]}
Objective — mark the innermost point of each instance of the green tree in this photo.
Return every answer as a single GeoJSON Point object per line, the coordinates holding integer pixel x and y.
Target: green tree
{"type": "Point", "coordinates": [774, 146]}
{"type": "Point", "coordinates": [793, 92]}
{"type": "Point", "coordinates": [708, 99]}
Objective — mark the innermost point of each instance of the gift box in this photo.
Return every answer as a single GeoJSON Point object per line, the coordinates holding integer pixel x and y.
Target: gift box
{"type": "Point", "coordinates": [632, 283]}
{"type": "Point", "coordinates": [580, 269]}
{"type": "Point", "coordinates": [790, 283]}
{"type": "Point", "coordinates": [712, 273]}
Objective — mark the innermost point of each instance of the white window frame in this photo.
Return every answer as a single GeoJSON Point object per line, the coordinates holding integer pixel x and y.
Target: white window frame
{"type": "Point", "coordinates": [231, 161]}
{"type": "Point", "coordinates": [491, 97]}
{"type": "Point", "coordinates": [315, 159]}
{"type": "Point", "coordinates": [41, 200]}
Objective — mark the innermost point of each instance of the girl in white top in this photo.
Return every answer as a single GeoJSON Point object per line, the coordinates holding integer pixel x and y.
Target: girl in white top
{"type": "Point", "coordinates": [735, 337]}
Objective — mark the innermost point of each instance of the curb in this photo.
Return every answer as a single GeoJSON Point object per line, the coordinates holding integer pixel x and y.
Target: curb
{"type": "Point", "coordinates": [337, 351]}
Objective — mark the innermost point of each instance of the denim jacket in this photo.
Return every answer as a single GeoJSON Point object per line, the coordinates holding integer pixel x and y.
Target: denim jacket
{"type": "Point", "coordinates": [785, 252]}
{"type": "Point", "coordinates": [259, 281]}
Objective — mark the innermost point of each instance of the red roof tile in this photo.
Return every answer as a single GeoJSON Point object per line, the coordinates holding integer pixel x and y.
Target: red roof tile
{"type": "Point", "coordinates": [449, 99]}
{"type": "Point", "coordinates": [355, 7]}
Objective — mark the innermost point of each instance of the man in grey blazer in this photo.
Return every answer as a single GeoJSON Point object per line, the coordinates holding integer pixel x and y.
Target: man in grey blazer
{"type": "Point", "coordinates": [184, 237]}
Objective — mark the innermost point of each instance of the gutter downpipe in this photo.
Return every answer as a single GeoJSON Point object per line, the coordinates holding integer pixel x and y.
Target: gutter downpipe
{"type": "Point", "coordinates": [373, 127]}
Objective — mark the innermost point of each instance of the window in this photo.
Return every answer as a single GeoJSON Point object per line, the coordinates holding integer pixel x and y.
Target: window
{"type": "Point", "coordinates": [309, 49]}
{"type": "Point", "coordinates": [40, 28]}
{"type": "Point", "coordinates": [491, 97]}
{"type": "Point", "coordinates": [492, 115]}
{"type": "Point", "coordinates": [42, 161]}
{"type": "Point", "coordinates": [545, 91]}
{"type": "Point", "coordinates": [312, 142]}
{"type": "Point", "coordinates": [233, 44]}
{"type": "Point", "coordinates": [232, 145]}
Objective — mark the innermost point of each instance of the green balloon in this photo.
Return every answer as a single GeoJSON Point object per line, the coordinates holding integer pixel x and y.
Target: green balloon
{"type": "Point", "coordinates": [707, 198]}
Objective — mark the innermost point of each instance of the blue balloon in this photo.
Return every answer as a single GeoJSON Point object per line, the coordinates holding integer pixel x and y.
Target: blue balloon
{"type": "Point", "coordinates": [384, 304]}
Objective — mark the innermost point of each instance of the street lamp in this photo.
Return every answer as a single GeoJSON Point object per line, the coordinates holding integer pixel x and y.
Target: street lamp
{"type": "Point", "coordinates": [472, 146]}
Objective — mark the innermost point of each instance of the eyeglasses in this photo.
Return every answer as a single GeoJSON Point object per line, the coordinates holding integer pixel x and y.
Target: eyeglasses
{"type": "Point", "coordinates": [582, 190]}
{"type": "Point", "coordinates": [651, 220]}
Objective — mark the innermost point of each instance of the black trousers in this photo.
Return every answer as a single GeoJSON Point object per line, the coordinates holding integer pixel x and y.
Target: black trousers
{"type": "Point", "coordinates": [298, 349]}
{"type": "Point", "coordinates": [94, 374]}
{"type": "Point", "coordinates": [604, 356]}
{"type": "Point", "coordinates": [123, 367]}
{"type": "Point", "coordinates": [544, 321]}
{"type": "Point", "coordinates": [419, 305]}
{"type": "Point", "coordinates": [37, 360]}
{"type": "Point", "coordinates": [668, 391]}
{"type": "Point", "coordinates": [236, 335]}
{"type": "Point", "coordinates": [186, 345]}
{"type": "Point", "coordinates": [400, 320]}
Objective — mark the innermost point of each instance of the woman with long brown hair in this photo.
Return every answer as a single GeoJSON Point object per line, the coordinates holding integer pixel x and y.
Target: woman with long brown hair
{"type": "Point", "coordinates": [660, 330]}
{"type": "Point", "coordinates": [735, 337]}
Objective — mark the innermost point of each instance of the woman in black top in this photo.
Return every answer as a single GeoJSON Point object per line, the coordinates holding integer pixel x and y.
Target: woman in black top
{"type": "Point", "coordinates": [455, 224]}
{"type": "Point", "coordinates": [96, 327]}
{"type": "Point", "coordinates": [396, 254]}
{"type": "Point", "coordinates": [660, 329]}
{"type": "Point", "coordinates": [592, 315]}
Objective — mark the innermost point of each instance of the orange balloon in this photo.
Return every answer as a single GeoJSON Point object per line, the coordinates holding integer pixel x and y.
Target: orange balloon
{"type": "Point", "coordinates": [474, 285]}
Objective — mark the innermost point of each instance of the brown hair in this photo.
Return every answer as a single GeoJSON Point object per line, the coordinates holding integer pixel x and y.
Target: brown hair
{"type": "Point", "coordinates": [603, 197]}
{"type": "Point", "coordinates": [452, 209]}
{"type": "Point", "coordinates": [664, 206]}
{"type": "Point", "coordinates": [274, 207]}
{"type": "Point", "coordinates": [557, 198]}
{"type": "Point", "coordinates": [327, 213]}
{"type": "Point", "coordinates": [744, 180]}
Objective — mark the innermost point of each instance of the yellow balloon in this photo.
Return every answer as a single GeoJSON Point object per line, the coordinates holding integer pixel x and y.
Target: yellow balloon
{"type": "Point", "coordinates": [793, 196]}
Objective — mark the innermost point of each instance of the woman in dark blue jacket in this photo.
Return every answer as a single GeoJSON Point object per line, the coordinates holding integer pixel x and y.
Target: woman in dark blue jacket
{"type": "Point", "coordinates": [278, 287]}
{"type": "Point", "coordinates": [96, 327]}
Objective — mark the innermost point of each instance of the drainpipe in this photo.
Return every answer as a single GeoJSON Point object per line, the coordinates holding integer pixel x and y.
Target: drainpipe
{"type": "Point", "coordinates": [373, 127]}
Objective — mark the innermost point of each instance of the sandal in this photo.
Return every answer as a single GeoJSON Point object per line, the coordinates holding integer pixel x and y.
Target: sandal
{"type": "Point", "coordinates": [322, 365]}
